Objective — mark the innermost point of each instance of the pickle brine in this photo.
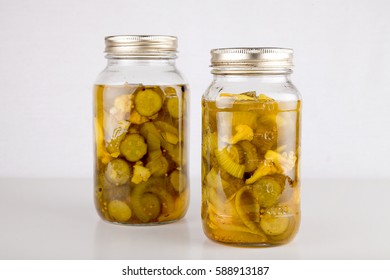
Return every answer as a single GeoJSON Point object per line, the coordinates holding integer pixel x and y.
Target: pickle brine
{"type": "Point", "coordinates": [250, 180]}
{"type": "Point", "coordinates": [141, 168]}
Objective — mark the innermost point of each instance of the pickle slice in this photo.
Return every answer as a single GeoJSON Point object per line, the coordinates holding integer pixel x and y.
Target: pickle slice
{"type": "Point", "coordinates": [158, 166]}
{"type": "Point", "coordinates": [274, 224]}
{"type": "Point", "coordinates": [248, 208]}
{"type": "Point", "coordinates": [148, 102]}
{"type": "Point", "coordinates": [267, 191]}
{"type": "Point", "coordinates": [170, 137]}
{"type": "Point", "coordinates": [133, 147]}
{"type": "Point", "coordinates": [153, 142]}
{"type": "Point", "coordinates": [227, 163]}
{"type": "Point", "coordinates": [118, 172]}
{"type": "Point", "coordinates": [172, 105]}
{"type": "Point", "coordinates": [236, 153]}
{"type": "Point", "coordinates": [251, 158]}
{"type": "Point", "coordinates": [151, 205]}
{"type": "Point", "coordinates": [142, 207]}
{"type": "Point", "coordinates": [119, 211]}
{"type": "Point", "coordinates": [166, 127]}
{"type": "Point", "coordinates": [288, 233]}
{"type": "Point", "coordinates": [118, 135]}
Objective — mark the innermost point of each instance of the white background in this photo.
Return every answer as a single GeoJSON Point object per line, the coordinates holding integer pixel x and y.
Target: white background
{"type": "Point", "coordinates": [52, 51]}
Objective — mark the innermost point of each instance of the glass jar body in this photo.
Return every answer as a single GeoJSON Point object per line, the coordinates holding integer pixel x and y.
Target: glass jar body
{"type": "Point", "coordinates": [250, 159]}
{"type": "Point", "coordinates": [140, 125]}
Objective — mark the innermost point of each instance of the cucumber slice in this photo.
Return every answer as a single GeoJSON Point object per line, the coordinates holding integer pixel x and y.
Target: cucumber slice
{"type": "Point", "coordinates": [267, 191]}
{"type": "Point", "coordinates": [118, 172]}
{"type": "Point", "coordinates": [227, 163]}
{"type": "Point", "coordinates": [118, 135]}
{"type": "Point", "coordinates": [133, 147]}
{"type": "Point", "coordinates": [178, 180]}
{"type": "Point", "coordinates": [172, 105]}
{"type": "Point", "coordinates": [119, 211]}
{"type": "Point", "coordinates": [158, 166]}
{"type": "Point", "coordinates": [148, 102]}
{"type": "Point", "coordinates": [166, 127]}
{"type": "Point", "coordinates": [248, 208]}
{"type": "Point", "coordinates": [251, 158]}
{"type": "Point", "coordinates": [151, 205]}
{"type": "Point", "coordinates": [273, 224]}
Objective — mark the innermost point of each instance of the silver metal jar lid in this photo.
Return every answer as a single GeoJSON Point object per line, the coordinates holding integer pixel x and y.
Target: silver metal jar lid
{"type": "Point", "coordinates": [251, 60]}
{"type": "Point", "coordinates": [141, 45]}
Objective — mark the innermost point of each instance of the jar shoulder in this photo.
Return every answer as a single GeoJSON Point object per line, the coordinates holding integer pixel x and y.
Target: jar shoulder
{"type": "Point", "coordinates": [115, 76]}
{"type": "Point", "coordinates": [281, 91]}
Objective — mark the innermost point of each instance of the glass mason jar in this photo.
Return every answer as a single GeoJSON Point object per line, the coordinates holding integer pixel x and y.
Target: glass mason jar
{"type": "Point", "coordinates": [140, 128]}
{"type": "Point", "coordinates": [251, 148]}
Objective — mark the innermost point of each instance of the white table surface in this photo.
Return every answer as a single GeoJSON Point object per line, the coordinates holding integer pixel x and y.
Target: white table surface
{"type": "Point", "coordinates": [56, 219]}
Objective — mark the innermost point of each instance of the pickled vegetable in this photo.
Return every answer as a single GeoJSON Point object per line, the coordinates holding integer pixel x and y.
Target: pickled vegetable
{"type": "Point", "coordinates": [133, 147]}
{"type": "Point", "coordinates": [274, 225]}
{"type": "Point", "coordinates": [250, 172]}
{"type": "Point", "coordinates": [148, 102]}
{"type": "Point", "coordinates": [267, 190]}
{"type": "Point", "coordinates": [118, 172]}
{"type": "Point", "coordinates": [227, 162]}
{"type": "Point", "coordinates": [118, 135]}
{"type": "Point", "coordinates": [140, 165]}
{"type": "Point", "coordinates": [173, 107]}
{"type": "Point", "coordinates": [119, 211]}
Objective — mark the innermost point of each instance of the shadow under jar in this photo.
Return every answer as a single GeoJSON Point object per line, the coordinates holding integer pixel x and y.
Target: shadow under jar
{"type": "Point", "coordinates": [140, 124]}
{"type": "Point", "coordinates": [251, 148]}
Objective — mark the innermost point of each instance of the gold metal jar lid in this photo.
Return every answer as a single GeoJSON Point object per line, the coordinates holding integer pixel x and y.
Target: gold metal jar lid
{"type": "Point", "coordinates": [141, 45]}
{"type": "Point", "coordinates": [251, 60]}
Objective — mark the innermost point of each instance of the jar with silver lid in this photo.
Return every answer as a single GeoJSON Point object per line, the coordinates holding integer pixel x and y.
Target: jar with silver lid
{"type": "Point", "coordinates": [251, 148]}
{"type": "Point", "coordinates": [140, 123]}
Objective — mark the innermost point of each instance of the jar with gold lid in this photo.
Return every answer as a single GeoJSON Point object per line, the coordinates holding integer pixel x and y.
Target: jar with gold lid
{"type": "Point", "coordinates": [140, 123]}
{"type": "Point", "coordinates": [251, 148]}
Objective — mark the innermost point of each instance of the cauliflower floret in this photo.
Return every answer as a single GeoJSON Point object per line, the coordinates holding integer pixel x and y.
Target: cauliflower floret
{"type": "Point", "coordinates": [243, 132]}
{"type": "Point", "coordinates": [284, 161]}
{"type": "Point", "coordinates": [136, 118]}
{"type": "Point", "coordinates": [122, 107]}
{"type": "Point", "coordinates": [274, 163]}
{"type": "Point", "coordinates": [140, 174]}
{"type": "Point", "coordinates": [265, 168]}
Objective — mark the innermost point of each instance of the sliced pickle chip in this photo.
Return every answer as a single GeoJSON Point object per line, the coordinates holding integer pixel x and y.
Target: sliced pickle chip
{"type": "Point", "coordinates": [250, 153]}
{"type": "Point", "coordinates": [166, 127]}
{"type": "Point", "coordinates": [227, 163]}
{"type": "Point", "coordinates": [274, 224]}
{"type": "Point", "coordinates": [155, 187]}
{"type": "Point", "coordinates": [153, 142]}
{"type": "Point", "coordinates": [118, 135]}
{"type": "Point", "coordinates": [148, 102]}
{"type": "Point", "coordinates": [151, 205]}
{"type": "Point", "coordinates": [267, 191]}
{"type": "Point", "coordinates": [118, 172]}
{"type": "Point", "coordinates": [236, 153]}
{"type": "Point", "coordinates": [119, 211]}
{"type": "Point", "coordinates": [172, 105]}
{"type": "Point", "coordinates": [248, 208]}
{"type": "Point", "coordinates": [178, 180]}
{"type": "Point", "coordinates": [158, 166]}
{"type": "Point", "coordinates": [133, 147]}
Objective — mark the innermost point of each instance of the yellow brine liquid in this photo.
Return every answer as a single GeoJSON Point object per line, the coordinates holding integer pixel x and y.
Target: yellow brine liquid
{"type": "Point", "coordinates": [141, 170]}
{"type": "Point", "coordinates": [250, 176]}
